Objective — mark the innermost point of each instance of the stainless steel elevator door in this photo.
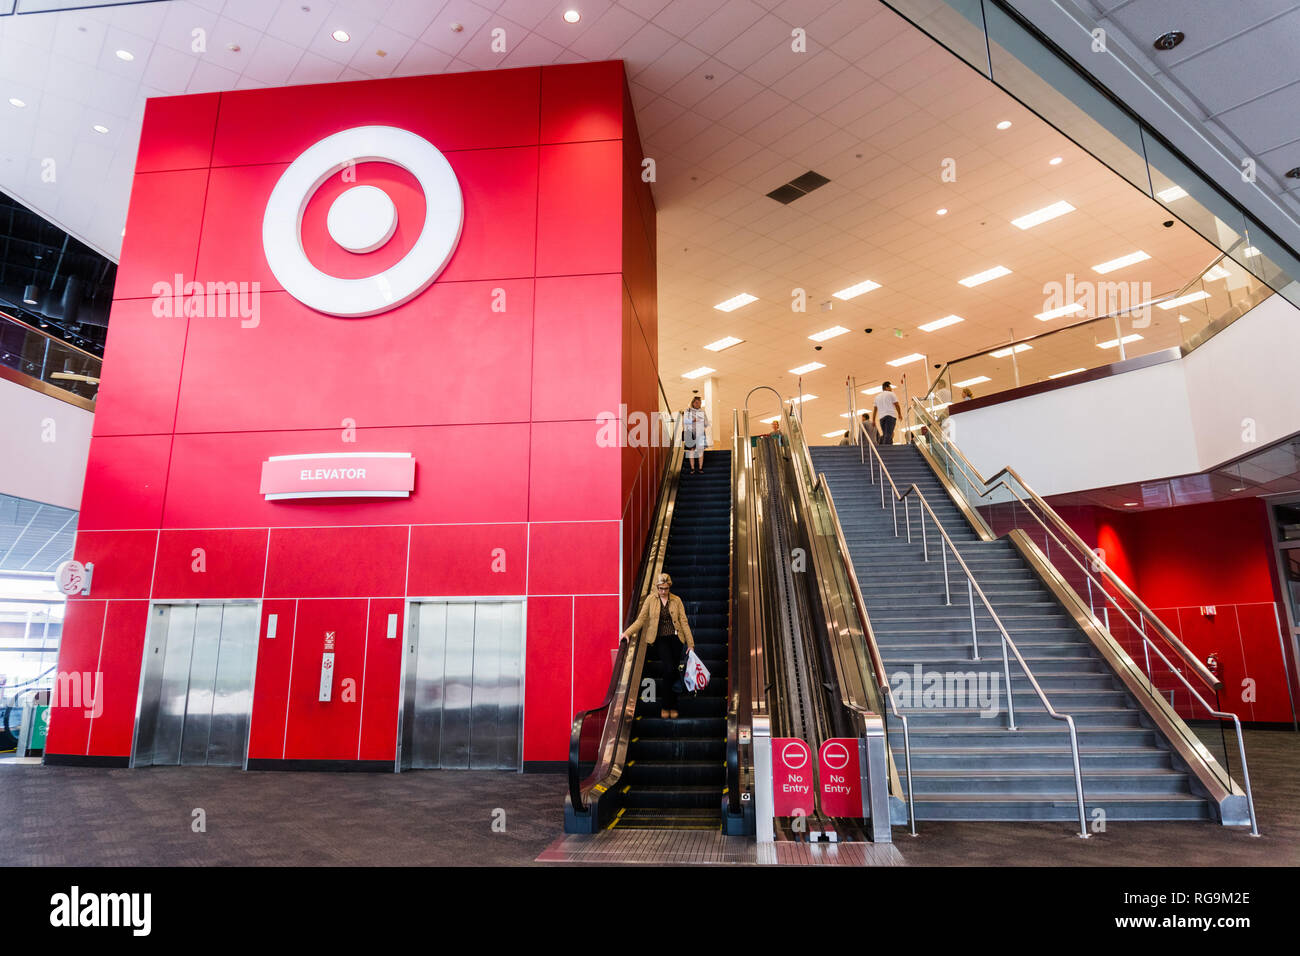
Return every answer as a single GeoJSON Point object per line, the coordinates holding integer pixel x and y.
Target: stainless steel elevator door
{"type": "Point", "coordinates": [463, 695]}
{"type": "Point", "coordinates": [196, 685]}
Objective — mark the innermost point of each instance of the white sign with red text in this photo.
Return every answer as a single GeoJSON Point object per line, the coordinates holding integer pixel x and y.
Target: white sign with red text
{"type": "Point", "coordinates": [374, 474]}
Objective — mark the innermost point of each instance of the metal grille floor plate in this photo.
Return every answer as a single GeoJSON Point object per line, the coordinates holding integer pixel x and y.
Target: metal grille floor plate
{"type": "Point", "coordinates": [688, 847]}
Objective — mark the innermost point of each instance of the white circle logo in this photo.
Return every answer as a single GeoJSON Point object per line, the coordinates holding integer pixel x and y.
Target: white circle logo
{"type": "Point", "coordinates": [361, 220]}
{"type": "Point", "coordinates": [835, 754]}
{"type": "Point", "coordinates": [794, 754]}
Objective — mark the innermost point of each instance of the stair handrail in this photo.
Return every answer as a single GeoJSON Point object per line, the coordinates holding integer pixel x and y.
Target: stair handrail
{"type": "Point", "coordinates": [869, 635]}
{"type": "Point", "coordinates": [1144, 613]}
{"type": "Point", "coordinates": [625, 677]}
{"type": "Point", "coordinates": [973, 588]}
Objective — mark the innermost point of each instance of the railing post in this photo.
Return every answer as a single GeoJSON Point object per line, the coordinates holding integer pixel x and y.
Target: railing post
{"type": "Point", "coordinates": [893, 505]}
{"type": "Point", "coordinates": [873, 763]}
{"type": "Point", "coordinates": [925, 545]}
{"type": "Point", "coordinates": [947, 591]}
{"type": "Point", "coordinates": [907, 515]}
{"type": "Point", "coordinates": [1006, 673]}
{"type": "Point", "coordinates": [974, 634]}
{"type": "Point", "coordinates": [764, 831]}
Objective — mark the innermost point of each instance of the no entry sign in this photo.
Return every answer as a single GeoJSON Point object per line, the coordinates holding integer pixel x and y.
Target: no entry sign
{"type": "Point", "coordinates": [792, 777]}
{"type": "Point", "coordinates": [840, 777]}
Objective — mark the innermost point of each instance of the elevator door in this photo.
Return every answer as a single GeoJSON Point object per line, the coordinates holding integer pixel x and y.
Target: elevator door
{"type": "Point", "coordinates": [462, 703]}
{"type": "Point", "coordinates": [196, 687]}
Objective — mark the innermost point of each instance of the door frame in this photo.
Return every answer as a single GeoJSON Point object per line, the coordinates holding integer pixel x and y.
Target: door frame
{"type": "Point", "coordinates": [144, 656]}
{"type": "Point", "coordinates": [412, 621]}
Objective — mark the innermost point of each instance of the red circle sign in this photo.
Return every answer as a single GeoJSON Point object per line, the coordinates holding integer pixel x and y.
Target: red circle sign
{"type": "Point", "coordinates": [795, 749]}
{"type": "Point", "coordinates": [836, 755]}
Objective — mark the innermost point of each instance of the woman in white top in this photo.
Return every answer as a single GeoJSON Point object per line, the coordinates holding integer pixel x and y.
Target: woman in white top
{"type": "Point", "coordinates": [695, 434]}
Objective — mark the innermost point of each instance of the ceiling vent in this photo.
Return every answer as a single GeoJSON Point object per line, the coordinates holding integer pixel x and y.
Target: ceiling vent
{"type": "Point", "coordinates": [799, 186]}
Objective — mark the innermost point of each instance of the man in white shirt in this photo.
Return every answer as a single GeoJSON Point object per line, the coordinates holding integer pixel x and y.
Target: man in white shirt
{"type": "Point", "coordinates": [885, 415]}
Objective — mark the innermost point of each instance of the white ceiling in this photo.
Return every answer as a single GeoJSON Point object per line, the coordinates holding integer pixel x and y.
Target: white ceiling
{"type": "Point", "coordinates": [728, 111]}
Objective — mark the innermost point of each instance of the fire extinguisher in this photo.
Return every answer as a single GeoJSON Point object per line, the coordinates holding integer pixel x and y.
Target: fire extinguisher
{"type": "Point", "coordinates": [1212, 662]}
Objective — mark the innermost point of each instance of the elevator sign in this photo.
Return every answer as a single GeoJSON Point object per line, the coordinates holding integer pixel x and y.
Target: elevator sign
{"type": "Point", "coordinates": [840, 777]}
{"type": "Point", "coordinates": [327, 668]}
{"type": "Point", "coordinates": [369, 474]}
{"type": "Point", "coordinates": [792, 777]}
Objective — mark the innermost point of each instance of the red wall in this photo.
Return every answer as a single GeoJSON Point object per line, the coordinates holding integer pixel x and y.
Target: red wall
{"type": "Point", "coordinates": [1220, 553]}
{"type": "Point", "coordinates": [499, 408]}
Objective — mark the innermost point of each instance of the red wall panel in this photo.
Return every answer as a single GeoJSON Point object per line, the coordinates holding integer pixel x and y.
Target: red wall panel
{"type": "Point", "coordinates": [579, 209]}
{"type": "Point", "coordinates": [462, 560]}
{"type": "Point", "coordinates": [230, 564]}
{"type": "Point", "coordinates": [382, 686]}
{"type": "Point", "coordinates": [596, 627]}
{"type": "Point", "coordinates": [138, 389]}
{"type": "Point", "coordinates": [573, 558]}
{"type": "Point", "coordinates": [123, 562]}
{"type": "Point", "coordinates": [177, 133]}
{"type": "Point", "coordinates": [162, 231]}
{"type": "Point", "coordinates": [126, 477]}
{"type": "Point", "coordinates": [125, 626]}
{"type": "Point", "coordinates": [271, 682]}
{"type": "Point", "coordinates": [571, 475]}
{"type": "Point", "coordinates": [582, 102]}
{"type": "Point", "coordinates": [548, 661]}
{"type": "Point", "coordinates": [326, 730]}
{"type": "Point", "coordinates": [577, 351]}
{"type": "Point", "coordinates": [83, 632]}
{"type": "Point", "coordinates": [330, 562]}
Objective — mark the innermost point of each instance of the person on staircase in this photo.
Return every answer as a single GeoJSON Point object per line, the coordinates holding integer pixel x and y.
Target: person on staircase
{"type": "Point", "coordinates": [885, 414]}
{"type": "Point", "coordinates": [663, 623]}
{"type": "Point", "coordinates": [695, 434]}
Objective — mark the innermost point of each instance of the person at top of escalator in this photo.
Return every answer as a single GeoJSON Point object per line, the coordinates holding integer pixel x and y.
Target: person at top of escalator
{"type": "Point", "coordinates": [695, 434]}
{"type": "Point", "coordinates": [663, 623]}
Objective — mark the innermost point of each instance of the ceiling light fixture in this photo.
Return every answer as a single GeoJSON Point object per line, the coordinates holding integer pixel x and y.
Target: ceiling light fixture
{"type": "Point", "coordinates": [125, 55]}
{"type": "Point", "coordinates": [1055, 161]}
{"type": "Point", "coordinates": [941, 212]}
{"type": "Point", "coordinates": [830, 333]}
{"type": "Point", "coordinates": [1131, 259]}
{"type": "Point", "coordinates": [15, 101]}
{"type": "Point", "coordinates": [838, 434]}
{"type": "Point", "coordinates": [856, 290]}
{"type": "Point", "coordinates": [99, 129]}
{"type": "Point", "coordinates": [805, 369]}
{"type": "Point", "coordinates": [988, 275]}
{"type": "Point", "coordinates": [1183, 300]}
{"type": "Point", "coordinates": [572, 16]}
{"type": "Point", "coordinates": [1073, 371]}
{"type": "Point", "coordinates": [1003, 353]}
{"type": "Point", "coordinates": [906, 360]}
{"type": "Point", "coordinates": [803, 398]}
{"type": "Point", "coordinates": [721, 344]}
{"type": "Point", "coordinates": [874, 390]}
{"type": "Point", "coordinates": [1130, 504]}
{"type": "Point", "coordinates": [1214, 273]}
{"type": "Point", "coordinates": [735, 302]}
{"type": "Point", "coordinates": [1005, 124]}
{"type": "Point", "coordinates": [1167, 41]}
{"type": "Point", "coordinates": [1249, 252]}
{"type": "Point", "coordinates": [1050, 314]}
{"type": "Point", "coordinates": [943, 323]}
{"type": "Point", "coordinates": [698, 372]}
{"type": "Point", "coordinates": [1171, 194]}
{"type": "Point", "coordinates": [29, 295]}
{"type": "Point", "coordinates": [341, 35]}
{"type": "Point", "coordinates": [977, 380]}
{"type": "Point", "coordinates": [1040, 216]}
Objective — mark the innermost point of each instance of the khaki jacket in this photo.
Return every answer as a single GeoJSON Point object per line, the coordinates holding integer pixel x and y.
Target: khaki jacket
{"type": "Point", "coordinates": [647, 622]}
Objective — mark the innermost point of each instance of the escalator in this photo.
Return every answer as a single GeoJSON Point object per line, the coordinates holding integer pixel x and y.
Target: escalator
{"type": "Point", "coordinates": [675, 773]}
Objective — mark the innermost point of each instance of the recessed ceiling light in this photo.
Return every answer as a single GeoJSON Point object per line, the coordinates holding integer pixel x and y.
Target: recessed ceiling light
{"type": "Point", "coordinates": [1230, 489]}
{"type": "Point", "coordinates": [1249, 251]}
{"type": "Point", "coordinates": [1040, 216]}
{"type": "Point", "coordinates": [698, 372]}
{"type": "Point", "coordinates": [838, 434]}
{"type": "Point", "coordinates": [1055, 161]}
{"type": "Point", "coordinates": [1003, 353]}
{"type": "Point", "coordinates": [721, 344]}
{"type": "Point", "coordinates": [99, 129]}
{"type": "Point", "coordinates": [126, 55]}
{"type": "Point", "coordinates": [735, 302]}
{"type": "Point", "coordinates": [943, 323]}
{"type": "Point", "coordinates": [572, 16]}
{"type": "Point", "coordinates": [906, 360]}
{"type": "Point", "coordinates": [803, 398]}
{"type": "Point", "coordinates": [1130, 504]}
{"type": "Point", "coordinates": [1171, 194]}
{"type": "Point", "coordinates": [855, 290]}
{"type": "Point", "coordinates": [977, 380]}
{"type": "Point", "coordinates": [1293, 173]}
{"type": "Point", "coordinates": [1050, 314]}
{"type": "Point", "coordinates": [941, 212]}
{"type": "Point", "coordinates": [341, 35]}
{"type": "Point", "coordinates": [1073, 371]}
{"type": "Point", "coordinates": [805, 369]}
{"type": "Point", "coordinates": [1183, 300]}
{"type": "Point", "coordinates": [1167, 41]}
{"type": "Point", "coordinates": [873, 390]}
{"type": "Point", "coordinates": [1115, 342]}
{"type": "Point", "coordinates": [988, 275]}
{"type": "Point", "coordinates": [830, 333]}
{"type": "Point", "coordinates": [15, 101]}
{"type": "Point", "coordinates": [1005, 124]}
{"type": "Point", "coordinates": [1131, 259]}
{"type": "Point", "coordinates": [1215, 273]}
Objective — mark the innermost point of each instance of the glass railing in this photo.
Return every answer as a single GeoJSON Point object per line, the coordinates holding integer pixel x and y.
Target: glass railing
{"type": "Point", "coordinates": [1163, 667]}
{"type": "Point", "coordinates": [38, 360]}
{"type": "Point", "coordinates": [1133, 324]}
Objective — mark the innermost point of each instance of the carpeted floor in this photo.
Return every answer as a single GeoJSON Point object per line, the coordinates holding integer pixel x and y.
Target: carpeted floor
{"type": "Point", "coordinates": [84, 817]}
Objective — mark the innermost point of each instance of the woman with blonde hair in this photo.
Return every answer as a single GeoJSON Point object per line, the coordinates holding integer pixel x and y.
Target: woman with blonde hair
{"type": "Point", "coordinates": [662, 621]}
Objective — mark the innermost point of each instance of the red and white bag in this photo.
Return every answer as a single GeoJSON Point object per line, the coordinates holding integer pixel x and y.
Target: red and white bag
{"type": "Point", "coordinates": [696, 676]}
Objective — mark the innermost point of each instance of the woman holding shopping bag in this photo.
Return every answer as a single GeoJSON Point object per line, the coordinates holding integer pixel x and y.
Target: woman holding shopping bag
{"type": "Point", "coordinates": [663, 623]}
{"type": "Point", "coordinates": [695, 434]}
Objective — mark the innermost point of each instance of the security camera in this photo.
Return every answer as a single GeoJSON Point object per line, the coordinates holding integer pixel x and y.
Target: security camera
{"type": "Point", "coordinates": [1169, 224]}
{"type": "Point", "coordinates": [868, 331]}
{"type": "Point", "coordinates": [817, 348]}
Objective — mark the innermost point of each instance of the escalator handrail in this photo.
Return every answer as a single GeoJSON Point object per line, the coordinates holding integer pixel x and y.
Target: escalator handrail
{"type": "Point", "coordinates": [627, 664]}
{"type": "Point", "coordinates": [740, 633]}
{"type": "Point", "coordinates": [990, 484]}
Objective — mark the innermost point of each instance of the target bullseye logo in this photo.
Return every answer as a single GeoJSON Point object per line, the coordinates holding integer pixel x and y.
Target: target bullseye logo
{"type": "Point", "coordinates": [361, 220]}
